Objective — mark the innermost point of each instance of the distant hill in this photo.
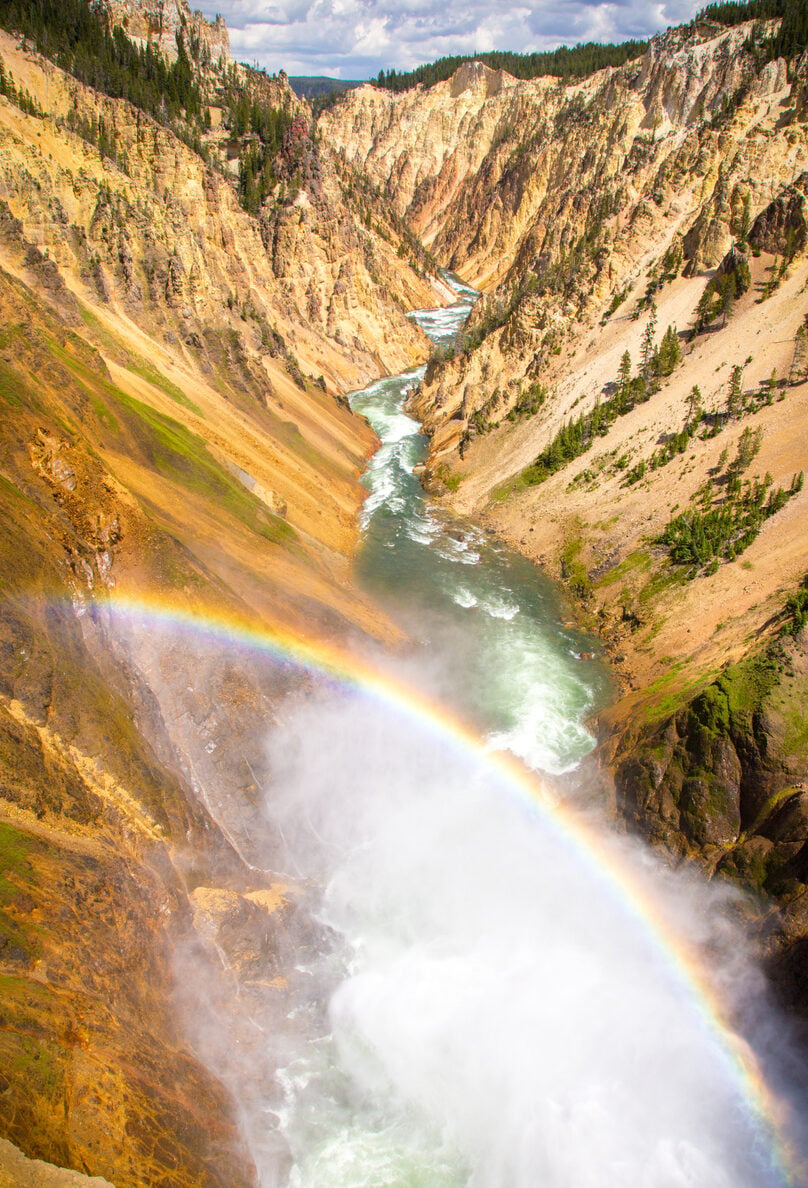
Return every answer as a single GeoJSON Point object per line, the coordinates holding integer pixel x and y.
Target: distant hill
{"type": "Point", "coordinates": [311, 87]}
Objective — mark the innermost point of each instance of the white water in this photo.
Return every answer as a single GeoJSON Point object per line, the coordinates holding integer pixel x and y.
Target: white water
{"type": "Point", "coordinates": [497, 1018]}
{"type": "Point", "coordinates": [485, 1010]}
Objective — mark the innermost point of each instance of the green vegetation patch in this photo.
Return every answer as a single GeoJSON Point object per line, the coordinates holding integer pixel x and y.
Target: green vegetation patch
{"type": "Point", "coordinates": [716, 703]}
{"type": "Point", "coordinates": [136, 363]}
{"type": "Point", "coordinates": [747, 683]}
{"type": "Point", "coordinates": [15, 847]}
{"type": "Point", "coordinates": [37, 1065]}
{"type": "Point", "coordinates": [574, 571]}
{"type": "Point", "coordinates": [663, 581]}
{"type": "Point", "coordinates": [148, 371]}
{"type": "Point", "coordinates": [639, 561]}
{"type": "Point", "coordinates": [16, 941]}
{"type": "Point", "coordinates": [795, 740]}
{"type": "Point", "coordinates": [183, 457]}
{"type": "Point", "coordinates": [447, 479]}
{"type": "Point", "coordinates": [670, 692]}
{"type": "Point", "coordinates": [565, 62]}
{"type": "Point", "coordinates": [94, 381]}
{"type": "Point", "coordinates": [512, 486]}
{"type": "Point", "coordinates": [28, 1055]}
{"type": "Point", "coordinates": [796, 610]}
{"type": "Point", "coordinates": [15, 391]}
{"type": "Point", "coordinates": [709, 533]}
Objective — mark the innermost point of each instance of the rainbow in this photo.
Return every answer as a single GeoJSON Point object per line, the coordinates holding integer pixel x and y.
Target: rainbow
{"type": "Point", "coordinates": [325, 661]}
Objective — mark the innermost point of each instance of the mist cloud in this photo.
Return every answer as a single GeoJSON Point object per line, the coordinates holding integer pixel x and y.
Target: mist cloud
{"type": "Point", "coordinates": [356, 38]}
{"type": "Point", "coordinates": [497, 1015]}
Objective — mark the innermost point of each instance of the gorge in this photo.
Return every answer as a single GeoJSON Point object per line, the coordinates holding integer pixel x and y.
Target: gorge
{"type": "Point", "coordinates": [501, 993]}
{"type": "Point", "coordinates": [319, 807]}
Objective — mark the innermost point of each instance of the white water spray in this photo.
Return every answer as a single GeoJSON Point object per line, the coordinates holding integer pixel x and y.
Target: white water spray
{"type": "Point", "coordinates": [496, 1018]}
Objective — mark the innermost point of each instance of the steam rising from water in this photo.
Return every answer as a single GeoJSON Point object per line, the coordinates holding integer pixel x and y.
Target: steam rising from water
{"type": "Point", "coordinates": [496, 1016]}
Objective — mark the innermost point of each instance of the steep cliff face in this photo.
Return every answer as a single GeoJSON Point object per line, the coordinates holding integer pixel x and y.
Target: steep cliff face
{"type": "Point", "coordinates": [160, 235]}
{"type": "Point", "coordinates": [492, 171]}
{"type": "Point", "coordinates": [668, 193]}
{"type": "Point", "coordinates": [159, 22]}
{"type": "Point", "coordinates": [561, 196]}
{"type": "Point", "coordinates": [173, 433]}
{"type": "Point", "coordinates": [617, 193]}
{"type": "Point", "coordinates": [421, 147]}
{"type": "Point", "coordinates": [96, 1074]}
{"type": "Point", "coordinates": [723, 779]}
{"type": "Point", "coordinates": [585, 212]}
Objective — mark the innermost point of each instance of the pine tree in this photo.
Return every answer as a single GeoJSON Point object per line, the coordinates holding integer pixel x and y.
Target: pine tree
{"type": "Point", "coordinates": [735, 391]}
{"type": "Point", "coordinates": [624, 380]}
{"type": "Point", "coordinates": [746, 219]}
{"type": "Point", "coordinates": [647, 346]}
{"type": "Point", "coordinates": [797, 370]}
{"type": "Point", "coordinates": [693, 407]}
{"type": "Point", "coordinates": [771, 387]}
{"type": "Point", "coordinates": [704, 309]}
{"type": "Point", "coordinates": [747, 449]}
{"type": "Point", "coordinates": [672, 260]}
{"type": "Point", "coordinates": [727, 290]}
{"type": "Point", "coordinates": [669, 354]}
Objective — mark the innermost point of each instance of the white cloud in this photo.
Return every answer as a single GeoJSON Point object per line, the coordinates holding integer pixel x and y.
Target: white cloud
{"type": "Point", "coordinates": [357, 38]}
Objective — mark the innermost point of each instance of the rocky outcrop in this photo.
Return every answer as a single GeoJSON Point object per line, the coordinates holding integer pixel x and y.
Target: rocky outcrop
{"type": "Point", "coordinates": [780, 229]}
{"type": "Point", "coordinates": [421, 147]}
{"type": "Point", "coordinates": [159, 22]}
{"type": "Point", "coordinates": [726, 780]}
{"type": "Point", "coordinates": [18, 1172]}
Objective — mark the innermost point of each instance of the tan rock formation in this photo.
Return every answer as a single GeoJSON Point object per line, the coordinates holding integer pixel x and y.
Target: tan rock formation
{"type": "Point", "coordinates": [570, 197]}
{"type": "Point", "coordinates": [18, 1172]}
{"type": "Point", "coordinates": [157, 23]}
{"type": "Point", "coordinates": [174, 430]}
{"type": "Point", "coordinates": [175, 434]}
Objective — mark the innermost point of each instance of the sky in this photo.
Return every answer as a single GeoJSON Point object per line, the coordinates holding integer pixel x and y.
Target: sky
{"type": "Point", "coordinates": [356, 38]}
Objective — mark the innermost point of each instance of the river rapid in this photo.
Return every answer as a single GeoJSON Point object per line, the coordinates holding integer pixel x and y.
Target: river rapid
{"type": "Point", "coordinates": [489, 619]}
{"type": "Point", "coordinates": [486, 1008]}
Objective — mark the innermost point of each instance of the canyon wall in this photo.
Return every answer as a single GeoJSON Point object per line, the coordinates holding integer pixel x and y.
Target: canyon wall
{"type": "Point", "coordinates": [175, 446]}
{"type": "Point", "coordinates": [638, 354]}
{"type": "Point", "coordinates": [158, 23]}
